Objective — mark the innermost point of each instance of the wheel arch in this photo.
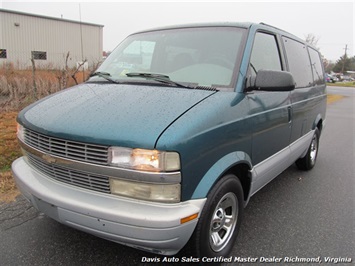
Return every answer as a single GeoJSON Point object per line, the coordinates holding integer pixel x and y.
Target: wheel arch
{"type": "Point", "coordinates": [318, 123]}
{"type": "Point", "coordinates": [240, 168]}
{"type": "Point", "coordinates": [242, 172]}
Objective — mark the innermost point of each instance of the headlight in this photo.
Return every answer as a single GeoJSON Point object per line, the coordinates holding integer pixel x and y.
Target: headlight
{"type": "Point", "coordinates": [145, 160]}
{"type": "Point", "coordinates": [146, 191]}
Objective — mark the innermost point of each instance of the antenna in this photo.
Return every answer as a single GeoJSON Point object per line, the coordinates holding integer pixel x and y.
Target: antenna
{"type": "Point", "coordinates": [81, 35]}
{"type": "Point", "coordinates": [81, 42]}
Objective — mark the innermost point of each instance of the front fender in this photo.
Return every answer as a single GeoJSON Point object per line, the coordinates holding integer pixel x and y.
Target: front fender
{"type": "Point", "coordinates": [217, 170]}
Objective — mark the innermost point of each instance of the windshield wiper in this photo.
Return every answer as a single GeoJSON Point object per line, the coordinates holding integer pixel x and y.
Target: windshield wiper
{"type": "Point", "coordinates": [160, 78]}
{"type": "Point", "coordinates": [104, 75]}
{"type": "Point", "coordinates": [147, 75]}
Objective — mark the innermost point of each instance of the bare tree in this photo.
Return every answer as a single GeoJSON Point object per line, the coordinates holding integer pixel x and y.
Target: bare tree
{"type": "Point", "coordinates": [63, 77]}
{"type": "Point", "coordinates": [34, 77]}
{"type": "Point", "coordinates": [311, 39]}
{"type": "Point", "coordinates": [77, 70]}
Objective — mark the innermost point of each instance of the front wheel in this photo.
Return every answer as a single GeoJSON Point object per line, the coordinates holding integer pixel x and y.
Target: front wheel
{"type": "Point", "coordinates": [220, 219]}
{"type": "Point", "coordinates": [309, 160]}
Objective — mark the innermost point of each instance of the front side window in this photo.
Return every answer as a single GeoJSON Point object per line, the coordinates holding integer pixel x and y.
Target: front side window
{"type": "Point", "coordinates": [206, 56]}
{"type": "Point", "coordinates": [265, 54]}
{"type": "Point", "coordinates": [299, 63]}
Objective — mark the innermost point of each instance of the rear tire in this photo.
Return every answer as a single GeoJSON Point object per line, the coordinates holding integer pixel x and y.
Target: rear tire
{"type": "Point", "coordinates": [309, 160]}
{"type": "Point", "coordinates": [220, 220]}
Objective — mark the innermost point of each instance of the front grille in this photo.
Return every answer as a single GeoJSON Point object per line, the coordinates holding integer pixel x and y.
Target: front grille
{"type": "Point", "coordinates": [73, 177]}
{"type": "Point", "coordinates": [90, 153]}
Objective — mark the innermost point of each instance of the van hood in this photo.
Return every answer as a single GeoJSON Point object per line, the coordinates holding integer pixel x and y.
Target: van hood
{"type": "Point", "coordinates": [111, 114]}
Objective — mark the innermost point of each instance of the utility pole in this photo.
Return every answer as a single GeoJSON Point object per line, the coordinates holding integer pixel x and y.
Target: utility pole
{"type": "Point", "coordinates": [344, 58]}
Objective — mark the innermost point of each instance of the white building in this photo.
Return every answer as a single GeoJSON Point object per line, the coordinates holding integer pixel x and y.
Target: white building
{"type": "Point", "coordinates": [47, 40]}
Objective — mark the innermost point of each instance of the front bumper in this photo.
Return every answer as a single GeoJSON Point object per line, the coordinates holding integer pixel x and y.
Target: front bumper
{"type": "Point", "coordinates": [154, 227]}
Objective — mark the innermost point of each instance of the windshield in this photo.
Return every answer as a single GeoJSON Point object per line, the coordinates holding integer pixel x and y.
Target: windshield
{"type": "Point", "coordinates": [204, 56]}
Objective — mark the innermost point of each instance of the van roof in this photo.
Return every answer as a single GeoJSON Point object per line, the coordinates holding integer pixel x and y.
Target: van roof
{"type": "Point", "coordinates": [207, 24]}
{"type": "Point", "coordinates": [245, 25]}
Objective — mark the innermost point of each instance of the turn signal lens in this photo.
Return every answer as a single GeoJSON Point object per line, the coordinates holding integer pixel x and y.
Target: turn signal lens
{"type": "Point", "coordinates": [20, 131]}
{"type": "Point", "coordinates": [146, 191]}
{"type": "Point", "coordinates": [188, 218]}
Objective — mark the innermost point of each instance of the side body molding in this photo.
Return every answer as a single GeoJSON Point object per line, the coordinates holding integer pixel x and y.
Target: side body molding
{"type": "Point", "coordinates": [267, 170]}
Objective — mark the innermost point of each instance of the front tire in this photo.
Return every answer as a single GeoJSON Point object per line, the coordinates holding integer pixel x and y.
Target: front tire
{"type": "Point", "coordinates": [220, 220]}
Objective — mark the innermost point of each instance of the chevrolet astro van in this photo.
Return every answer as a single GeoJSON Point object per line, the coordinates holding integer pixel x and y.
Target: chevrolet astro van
{"type": "Point", "coordinates": [163, 146]}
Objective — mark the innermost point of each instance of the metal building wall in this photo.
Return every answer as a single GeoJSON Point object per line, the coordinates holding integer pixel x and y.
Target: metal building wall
{"type": "Point", "coordinates": [20, 34]}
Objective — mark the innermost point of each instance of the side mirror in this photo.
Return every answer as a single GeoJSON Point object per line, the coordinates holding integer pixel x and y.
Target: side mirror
{"type": "Point", "coordinates": [271, 80]}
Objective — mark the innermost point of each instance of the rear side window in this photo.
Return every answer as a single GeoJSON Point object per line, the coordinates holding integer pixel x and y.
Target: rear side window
{"type": "Point", "coordinates": [298, 62]}
{"type": "Point", "coordinates": [265, 54]}
{"type": "Point", "coordinates": [318, 75]}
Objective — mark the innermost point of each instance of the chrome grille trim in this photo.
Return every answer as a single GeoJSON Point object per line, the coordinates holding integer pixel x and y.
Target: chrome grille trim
{"type": "Point", "coordinates": [76, 178]}
{"type": "Point", "coordinates": [85, 152]}
{"type": "Point", "coordinates": [103, 170]}
{"type": "Point", "coordinates": [45, 154]}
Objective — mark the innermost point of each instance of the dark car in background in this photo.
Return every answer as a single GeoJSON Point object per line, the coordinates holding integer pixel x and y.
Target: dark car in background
{"type": "Point", "coordinates": [331, 78]}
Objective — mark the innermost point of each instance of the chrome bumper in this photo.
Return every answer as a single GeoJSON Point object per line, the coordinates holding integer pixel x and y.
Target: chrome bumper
{"type": "Point", "coordinates": [155, 227]}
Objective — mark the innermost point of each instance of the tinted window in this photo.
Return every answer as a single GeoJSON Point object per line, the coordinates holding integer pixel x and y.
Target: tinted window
{"type": "Point", "coordinates": [265, 54]}
{"type": "Point", "coordinates": [299, 63]}
{"type": "Point", "coordinates": [317, 68]}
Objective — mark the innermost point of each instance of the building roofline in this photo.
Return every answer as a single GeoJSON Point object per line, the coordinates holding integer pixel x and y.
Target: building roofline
{"type": "Point", "coordinates": [47, 17]}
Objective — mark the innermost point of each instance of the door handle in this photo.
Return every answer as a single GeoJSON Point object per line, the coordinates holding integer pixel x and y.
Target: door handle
{"type": "Point", "coordinates": [289, 111]}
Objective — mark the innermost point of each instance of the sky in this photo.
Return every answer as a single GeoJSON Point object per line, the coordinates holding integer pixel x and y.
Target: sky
{"type": "Point", "coordinates": [332, 23]}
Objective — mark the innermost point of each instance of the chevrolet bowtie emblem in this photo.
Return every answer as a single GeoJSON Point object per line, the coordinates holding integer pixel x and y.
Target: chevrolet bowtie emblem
{"type": "Point", "coordinates": [48, 158]}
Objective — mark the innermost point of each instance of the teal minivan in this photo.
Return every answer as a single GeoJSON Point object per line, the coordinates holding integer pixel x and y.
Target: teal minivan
{"type": "Point", "coordinates": [163, 146]}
